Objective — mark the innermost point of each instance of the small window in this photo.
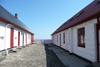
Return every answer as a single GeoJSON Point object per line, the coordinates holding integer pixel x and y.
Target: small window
{"type": "Point", "coordinates": [98, 2]}
{"type": "Point", "coordinates": [70, 19]}
{"type": "Point", "coordinates": [79, 14]}
{"type": "Point", "coordinates": [81, 37]}
{"type": "Point", "coordinates": [63, 38]}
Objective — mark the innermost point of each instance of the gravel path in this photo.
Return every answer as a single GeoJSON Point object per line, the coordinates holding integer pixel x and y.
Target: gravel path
{"type": "Point", "coordinates": [30, 56]}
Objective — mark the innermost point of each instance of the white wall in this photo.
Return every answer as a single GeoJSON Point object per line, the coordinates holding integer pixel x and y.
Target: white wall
{"type": "Point", "coordinates": [71, 44]}
{"type": "Point", "coordinates": [3, 44]}
{"type": "Point", "coordinates": [15, 37]}
{"type": "Point", "coordinates": [89, 52]}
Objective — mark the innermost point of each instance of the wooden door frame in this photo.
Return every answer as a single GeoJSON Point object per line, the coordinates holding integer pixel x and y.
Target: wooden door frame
{"type": "Point", "coordinates": [97, 36]}
{"type": "Point", "coordinates": [18, 39]}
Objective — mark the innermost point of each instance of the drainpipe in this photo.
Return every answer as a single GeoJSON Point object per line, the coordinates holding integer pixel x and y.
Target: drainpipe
{"type": "Point", "coordinates": [5, 40]}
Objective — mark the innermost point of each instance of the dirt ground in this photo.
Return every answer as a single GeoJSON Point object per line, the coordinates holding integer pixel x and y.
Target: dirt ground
{"type": "Point", "coordinates": [36, 55]}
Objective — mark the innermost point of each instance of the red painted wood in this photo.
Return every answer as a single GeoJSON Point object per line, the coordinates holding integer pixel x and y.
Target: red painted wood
{"type": "Point", "coordinates": [31, 38]}
{"type": "Point", "coordinates": [12, 37]}
{"type": "Point", "coordinates": [97, 36]}
{"type": "Point", "coordinates": [18, 38]}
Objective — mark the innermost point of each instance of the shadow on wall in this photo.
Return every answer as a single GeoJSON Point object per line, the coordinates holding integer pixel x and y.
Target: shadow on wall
{"type": "Point", "coordinates": [51, 58]}
{"type": "Point", "coordinates": [42, 41]}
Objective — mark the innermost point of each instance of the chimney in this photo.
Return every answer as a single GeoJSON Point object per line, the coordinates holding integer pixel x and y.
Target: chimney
{"type": "Point", "coordinates": [16, 15]}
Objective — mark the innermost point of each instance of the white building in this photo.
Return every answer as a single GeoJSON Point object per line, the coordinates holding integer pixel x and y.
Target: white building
{"type": "Point", "coordinates": [13, 33]}
{"type": "Point", "coordinates": [81, 34]}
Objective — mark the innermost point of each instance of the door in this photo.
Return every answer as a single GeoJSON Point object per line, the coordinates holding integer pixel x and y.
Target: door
{"type": "Point", "coordinates": [18, 38]}
{"type": "Point", "coordinates": [98, 42]}
{"type": "Point", "coordinates": [60, 39]}
{"type": "Point", "coordinates": [31, 38]}
{"type": "Point", "coordinates": [12, 37]}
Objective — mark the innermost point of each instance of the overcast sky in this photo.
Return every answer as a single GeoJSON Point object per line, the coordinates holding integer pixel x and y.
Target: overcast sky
{"type": "Point", "coordinates": [43, 17]}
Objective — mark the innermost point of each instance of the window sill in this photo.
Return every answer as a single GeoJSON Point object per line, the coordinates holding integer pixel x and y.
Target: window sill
{"type": "Point", "coordinates": [82, 46]}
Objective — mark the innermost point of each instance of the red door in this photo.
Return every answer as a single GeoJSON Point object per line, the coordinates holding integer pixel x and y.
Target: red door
{"type": "Point", "coordinates": [12, 37]}
{"type": "Point", "coordinates": [18, 38]}
{"type": "Point", "coordinates": [31, 38]}
{"type": "Point", "coordinates": [23, 38]}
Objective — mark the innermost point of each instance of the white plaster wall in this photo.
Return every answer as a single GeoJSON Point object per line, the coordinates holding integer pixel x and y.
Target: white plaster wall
{"type": "Point", "coordinates": [8, 37]}
{"type": "Point", "coordinates": [90, 45]}
{"type": "Point", "coordinates": [3, 44]}
{"type": "Point", "coordinates": [15, 37]}
{"type": "Point", "coordinates": [71, 44]}
{"type": "Point", "coordinates": [24, 38]}
{"type": "Point", "coordinates": [62, 44]}
{"type": "Point", "coordinates": [2, 34]}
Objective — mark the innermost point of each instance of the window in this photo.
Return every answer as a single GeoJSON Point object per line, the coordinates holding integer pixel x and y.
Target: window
{"type": "Point", "coordinates": [57, 38]}
{"type": "Point", "coordinates": [81, 37]}
{"type": "Point", "coordinates": [79, 14]}
{"type": "Point", "coordinates": [99, 19]}
{"type": "Point", "coordinates": [63, 38]}
{"type": "Point", "coordinates": [98, 2]}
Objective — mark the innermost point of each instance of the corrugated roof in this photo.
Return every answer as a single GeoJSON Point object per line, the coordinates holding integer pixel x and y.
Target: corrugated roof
{"type": "Point", "coordinates": [89, 12]}
{"type": "Point", "coordinates": [9, 17]}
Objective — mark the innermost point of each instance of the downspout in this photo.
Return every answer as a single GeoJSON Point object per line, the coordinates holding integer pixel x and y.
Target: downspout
{"type": "Point", "coordinates": [5, 40]}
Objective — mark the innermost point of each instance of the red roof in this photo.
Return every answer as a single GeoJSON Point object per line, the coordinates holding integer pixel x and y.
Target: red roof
{"type": "Point", "coordinates": [89, 12]}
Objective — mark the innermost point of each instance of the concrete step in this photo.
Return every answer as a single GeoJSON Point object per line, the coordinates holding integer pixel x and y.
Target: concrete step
{"type": "Point", "coordinates": [13, 50]}
{"type": "Point", "coordinates": [96, 64]}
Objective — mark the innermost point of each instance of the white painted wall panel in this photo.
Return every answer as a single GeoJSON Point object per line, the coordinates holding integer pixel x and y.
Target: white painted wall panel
{"type": "Point", "coordinates": [15, 37]}
{"type": "Point", "coordinates": [89, 52]}
{"type": "Point", "coordinates": [90, 45]}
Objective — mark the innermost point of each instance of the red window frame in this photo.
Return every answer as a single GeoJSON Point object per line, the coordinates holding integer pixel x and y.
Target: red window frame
{"type": "Point", "coordinates": [63, 38]}
{"type": "Point", "coordinates": [81, 37]}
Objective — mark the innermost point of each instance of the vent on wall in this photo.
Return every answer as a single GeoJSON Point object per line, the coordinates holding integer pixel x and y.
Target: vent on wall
{"type": "Point", "coordinates": [98, 2]}
{"type": "Point", "coordinates": [79, 14]}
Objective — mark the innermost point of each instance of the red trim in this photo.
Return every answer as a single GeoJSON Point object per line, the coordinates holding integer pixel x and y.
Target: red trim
{"type": "Point", "coordinates": [12, 37]}
{"type": "Point", "coordinates": [97, 36]}
{"type": "Point", "coordinates": [8, 22]}
{"type": "Point", "coordinates": [18, 38]}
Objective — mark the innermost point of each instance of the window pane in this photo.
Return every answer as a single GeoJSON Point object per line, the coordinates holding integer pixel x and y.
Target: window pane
{"type": "Point", "coordinates": [81, 35]}
{"type": "Point", "coordinates": [99, 19]}
{"type": "Point", "coordinates": [82, 39]}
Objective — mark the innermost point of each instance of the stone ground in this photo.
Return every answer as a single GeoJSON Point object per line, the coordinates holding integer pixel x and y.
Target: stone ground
{"type": "Point", "coordinates": [36, 55]}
